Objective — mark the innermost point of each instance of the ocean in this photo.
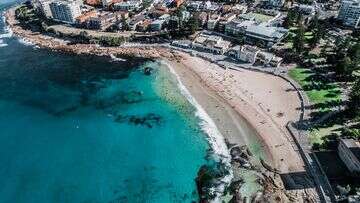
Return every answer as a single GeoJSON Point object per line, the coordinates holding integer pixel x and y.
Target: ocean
{"type": "Point", "coordinates": [92, 129]}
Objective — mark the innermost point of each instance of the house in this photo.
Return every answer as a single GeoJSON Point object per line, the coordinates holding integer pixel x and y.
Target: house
{"type": "Point", "coordinates": [239, 9]}
{"type": "Point", "coordinates": [248, 53]}
{"type": "Point", "coordinates": [202, 18]}
{"type": "Point", "coordinates": [177, 3]}
{"type": "Point", "coordinates": [186, 44]}
{"type": "Point", "coordinates": [268, 59]}
{"type": "Point", "coordinates": [93, 2]}
{"type": "Point", "coordinates": [253, 32]}
{"type": "Point", "coordinates": [134, 22]}
{"type": "Point", "coordinates": [225, 20]}
{"type": "Point", "coordinates": [127, 5]}
{"type": "Point", "coordinates": [143, 26]}
{"type": "Point", "coordinates": [212, 21]}
{"type": "Point", "coordinates": [349, 152]}
{"type": "Point", "coordinates": [210, 43]}
{"type": "Point", "coordinates": [194, 5]}
{"type": "Point", "coordinates": [164, 17]}
{"type": "Point", "coordinates": [306, 9]}
{"type": "Point", "coordinates": [102, 21]}
{"type": "Point", "coordinates": [81, 20]}
{"type": "Point", "coordinates": [244, 53]}
{"type": "Point", "coordinates": [210, 6]}
{"type": "Point", "coordinates": [273, 3]}
{"type": "Point", "coordinates": [157, 25]}
{"type": "Point", "coordinates": [252, 54]}
{"type": "Point", "coordinates": [265, 36]}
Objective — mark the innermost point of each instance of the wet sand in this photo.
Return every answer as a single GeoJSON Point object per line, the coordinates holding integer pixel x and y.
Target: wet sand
{"type": "Point", "coordinates": [235, 99]}
{"type": "Point", "coordinates": [234, 128]}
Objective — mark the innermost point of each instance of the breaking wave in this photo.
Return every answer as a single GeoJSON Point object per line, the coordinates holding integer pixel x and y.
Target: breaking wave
{"type": "Point", "coordinates": [214, 136]}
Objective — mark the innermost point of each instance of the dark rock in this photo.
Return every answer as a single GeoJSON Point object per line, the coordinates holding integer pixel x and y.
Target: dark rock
{"type": "Point", "coordinates": [209, 177]}
{"type": "Point", "coordinates": [148, 120]}
{"type": "Point", "coordinates": [148, 71]}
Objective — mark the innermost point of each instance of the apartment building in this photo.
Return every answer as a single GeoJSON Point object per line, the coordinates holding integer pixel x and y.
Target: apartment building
{"type": "Point", "coordinates": [65, 11]}
{"type": "Point", "coordinates": [349, 13]}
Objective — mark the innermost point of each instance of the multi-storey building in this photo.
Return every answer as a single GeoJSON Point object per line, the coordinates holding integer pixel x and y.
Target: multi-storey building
{"type": "Point", "coordinates": [349, 13]}
{"type": "Point", "coordinates": [349, 152]}
{"type": "Point", "coordinates": [106, 3]}
{"type": "Point", "coordinates": [65, 11]}
{"type": "Point", "coordinates": [43, 6]}
{"type": "Point", "coordinates": [127, 5]}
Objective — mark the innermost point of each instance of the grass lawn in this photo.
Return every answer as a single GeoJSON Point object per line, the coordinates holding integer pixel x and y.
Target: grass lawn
{"type": "Point", "coordinates": [308, 35]}
{"type": "Point", "coordinates": [318, 90]}
{"type": "Point", "coordinates": [258, 16]}
{"type": "Point", "coordinates": [317, 135]}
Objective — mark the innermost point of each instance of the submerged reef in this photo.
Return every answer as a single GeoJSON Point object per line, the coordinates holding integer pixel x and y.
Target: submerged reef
{"type": "Point", "coordinates": [149, 120]}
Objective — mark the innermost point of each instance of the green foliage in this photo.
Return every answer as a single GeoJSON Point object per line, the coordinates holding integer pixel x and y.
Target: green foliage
{"type": "Point", "coordinates": [299, 40]}
{"type": "Point", "coordinates": [21, 13]}
{"type": "Point", "coordinates": [193, 23]}
{"type": "Point", "coordinates": [318, 90]}
{"type": "Point", "coordinates": [291, 18]}
{"type": "Point", "coordinates": [125, 24]}
{"type": "Point", "coordinates": [345, 57]}
{"type": "Point", "coordinates": [351, 133]}
{"type": "Point", "coordinates": [318, 30]}
{"type": "Point", "coordinates": [109, 41]}
{"type": "Point", "coordinates": [354, 98]}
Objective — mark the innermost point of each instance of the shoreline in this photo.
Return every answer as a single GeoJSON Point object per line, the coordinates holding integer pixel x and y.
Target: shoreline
{"type": "Point", "coordinates": [159, 53]}
{"type": "Point", "coordinates": [230, 123]}
{"type": "Point", "coordinates": [154, 53]}
{"type": "Point", "coordinates": [245, 110]}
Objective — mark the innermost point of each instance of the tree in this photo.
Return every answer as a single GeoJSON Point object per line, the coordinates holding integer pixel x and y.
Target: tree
{"type": "Point", "coordinates": [351, 133]}
{"type": "Point", "coordinates": [180, 15]}
{"type": "Point", "coordinates": [125, 24]}
{"type": "Point", "coordinates": [318, 31]}
{"type": "Point", "coordinates": [354, 98]}
{"type": "Point", "coordinates": [193, 24]}
{"type": "Point", "coordinates": [354, 52]}
{"type": "Point", "coordinates": [299, 40]}
{"type": "Point", "coordinates": [344, 67]}
{"type": "Point", "coordinates": [84, 36]}
{"type": "Point", "coordinates": [290, 19]}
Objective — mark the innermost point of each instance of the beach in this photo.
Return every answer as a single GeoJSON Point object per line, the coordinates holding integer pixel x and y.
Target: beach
{"type": "Point", "coordinates": [232, 96]}
{"type": "Point", "coordinates": [248, 107]}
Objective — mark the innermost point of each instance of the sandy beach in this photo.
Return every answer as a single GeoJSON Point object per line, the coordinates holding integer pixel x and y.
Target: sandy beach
{"type": "Point", "coordinates": [266, 102]}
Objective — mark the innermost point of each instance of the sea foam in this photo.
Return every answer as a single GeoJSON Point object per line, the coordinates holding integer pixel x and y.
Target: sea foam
{"type": "Point", "coordinates": [214, 136]}
{"type": "Point", "coordinates": [114, 58]}
{"type": "Point", "coordinates": [2, 43]}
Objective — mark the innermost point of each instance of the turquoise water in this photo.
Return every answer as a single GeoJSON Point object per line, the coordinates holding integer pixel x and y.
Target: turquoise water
{"type": "Point", "coordinates": [84, 129]}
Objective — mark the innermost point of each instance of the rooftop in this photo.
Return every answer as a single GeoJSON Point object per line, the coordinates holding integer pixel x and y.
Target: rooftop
{"type": "Point", "coordinates": [353, 145]}
{"type": "Point", "coordinates": [258, 17]}
{"type": "Point", "coordinates": [268, 31]}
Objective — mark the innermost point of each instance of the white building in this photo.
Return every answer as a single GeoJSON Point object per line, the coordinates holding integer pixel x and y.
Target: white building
{"type": "Point", "coordinates": [349, 13]}
{"type": "Point", "coordinates": [211, 43]}
{"type": "Point", "coordinates": [127, 5]}
{"type": "Point", "coordinates": [157, 25]}
{"type": "Point", "coordinates": [349, 152]}
{"type": "Point", "coordinates": [252, 54]}
{"type": "Point", "coordinates": [106, 3]}
{"type": "Point", "coordinates": [273, 3]}
{"type": "Point", "coordinates": [65, 11]}
{"type": "Point", "coordinates": [256, 33]}
{"type": "Point", "coordinates": [44, 7]}
{"type": "Point", "coordinates": [212, 21]}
